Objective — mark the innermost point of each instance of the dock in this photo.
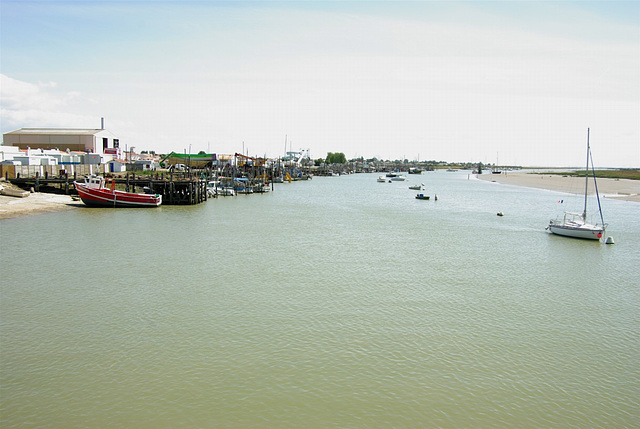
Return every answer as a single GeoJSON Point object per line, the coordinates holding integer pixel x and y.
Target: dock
{"type": "Point", "coordinates": [175, 190]}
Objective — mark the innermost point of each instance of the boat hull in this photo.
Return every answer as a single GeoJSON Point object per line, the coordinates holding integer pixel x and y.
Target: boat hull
{"type": "Point", "coordinates": [587, 232]}
{"type": "Point", "coordinates": [108, 198]}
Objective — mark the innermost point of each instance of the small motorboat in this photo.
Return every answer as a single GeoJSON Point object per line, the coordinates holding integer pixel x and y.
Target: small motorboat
{"type": "Point", "coordinates": [395, 177]}
{"type": "Point", "coordinates": [422, 197]}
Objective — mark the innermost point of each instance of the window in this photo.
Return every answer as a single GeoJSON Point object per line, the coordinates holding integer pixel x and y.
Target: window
{"type": "Point", "coordinates": [105, 143]}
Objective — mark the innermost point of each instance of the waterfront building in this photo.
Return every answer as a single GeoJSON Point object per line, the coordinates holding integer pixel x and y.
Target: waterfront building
{"type": "Point", "coordinates": [64, 139]}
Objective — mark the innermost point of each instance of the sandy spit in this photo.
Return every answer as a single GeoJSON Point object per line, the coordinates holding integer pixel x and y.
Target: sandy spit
{"type": "Point", "coordinates": [35, 203]}
{"type": "Point", "coordinates": [623, 189]}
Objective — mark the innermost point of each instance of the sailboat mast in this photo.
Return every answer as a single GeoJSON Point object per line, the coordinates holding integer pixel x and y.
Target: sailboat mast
{"type": "Point", "coordinates": [586, 181]}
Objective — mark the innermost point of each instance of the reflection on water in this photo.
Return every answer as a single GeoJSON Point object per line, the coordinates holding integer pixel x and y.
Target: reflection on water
{"type": "Point", "coordinates": [335, 302]}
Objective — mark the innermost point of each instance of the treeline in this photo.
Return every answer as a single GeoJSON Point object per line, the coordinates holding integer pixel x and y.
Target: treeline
{"type": "Point", "coordinates": [332, 158]}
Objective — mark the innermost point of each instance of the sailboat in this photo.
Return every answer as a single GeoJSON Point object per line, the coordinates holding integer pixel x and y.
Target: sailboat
{"type": "Point", "coordinates": [575, 224]}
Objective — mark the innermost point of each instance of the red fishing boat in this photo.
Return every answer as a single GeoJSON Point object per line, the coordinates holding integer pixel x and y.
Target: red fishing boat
{"type": "Point", "coordinates": [94, 192]}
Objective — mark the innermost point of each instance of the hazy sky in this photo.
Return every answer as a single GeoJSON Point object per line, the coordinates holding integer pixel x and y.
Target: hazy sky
{"type": "Point", "coordinates": [515, 81]}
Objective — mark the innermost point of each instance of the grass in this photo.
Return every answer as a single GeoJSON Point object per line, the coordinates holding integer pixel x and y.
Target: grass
{"type": "Point", "coordinates": [624, 173]}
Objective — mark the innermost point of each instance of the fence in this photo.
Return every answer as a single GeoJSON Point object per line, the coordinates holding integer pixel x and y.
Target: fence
{"type": "Point", "coordinates": [24, 171]}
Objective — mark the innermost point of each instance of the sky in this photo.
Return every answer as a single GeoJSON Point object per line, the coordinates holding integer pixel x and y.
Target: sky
{"type": "Point", "coordinates": [512, 82]}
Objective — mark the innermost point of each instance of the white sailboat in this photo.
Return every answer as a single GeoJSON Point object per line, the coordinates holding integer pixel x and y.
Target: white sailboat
{"type": "Point", "coordinates": [575, 224]}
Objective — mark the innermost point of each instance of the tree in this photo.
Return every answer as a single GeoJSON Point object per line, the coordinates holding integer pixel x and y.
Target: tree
{"type": "Point", "coordinates": [336, 158]}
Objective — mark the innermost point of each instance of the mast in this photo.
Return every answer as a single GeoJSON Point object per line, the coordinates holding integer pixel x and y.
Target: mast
{"type": "Point", "coordinates": [586, 181]}
{"type": "Point", "coordinates": [595, 184]}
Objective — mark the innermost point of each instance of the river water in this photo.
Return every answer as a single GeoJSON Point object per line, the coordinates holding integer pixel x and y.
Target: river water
{"type": "Point", "coordinates": [335, 302]}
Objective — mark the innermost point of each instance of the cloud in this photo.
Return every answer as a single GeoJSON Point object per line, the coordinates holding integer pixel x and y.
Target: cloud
{"type": "Point", "coordinates": [449, 82]}
{"type": "Point", "coordinates": [27, 105]}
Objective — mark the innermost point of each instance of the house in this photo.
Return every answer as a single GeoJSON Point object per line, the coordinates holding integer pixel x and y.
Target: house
{"type": "Point", "coordinates": [144, 165]}
{"type": "Point", "coordinates": [116, 166]}
{"type": "Point", "coordinates": [31, 159]}
{"type": "Point", "coordinates": [8, 152]}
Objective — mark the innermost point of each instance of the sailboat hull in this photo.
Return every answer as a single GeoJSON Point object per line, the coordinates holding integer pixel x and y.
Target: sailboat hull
{"type": "Point", "coordinates": [585, 230]}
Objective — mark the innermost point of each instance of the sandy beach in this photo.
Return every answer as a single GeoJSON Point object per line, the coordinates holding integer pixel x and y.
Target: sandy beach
{"type": "Point", "coordinates": [35, 203]}
{"type": "Point", "coordinates": [623, 189]}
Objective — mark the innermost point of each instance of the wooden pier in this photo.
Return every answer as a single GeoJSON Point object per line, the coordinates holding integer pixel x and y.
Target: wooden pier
{"type": "Point", "coordinates": [174, 190]}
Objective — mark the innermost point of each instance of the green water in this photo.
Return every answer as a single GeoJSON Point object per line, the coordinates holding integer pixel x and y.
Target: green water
{"type": "Point", "coordinates": [336, 302]}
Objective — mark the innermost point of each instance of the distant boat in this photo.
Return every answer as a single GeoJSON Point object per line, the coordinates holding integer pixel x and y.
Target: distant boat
{"type": "Point", "coordinates": [382, 179]}
{"type": "Point", "coordinates": [422, 197]}
{"type": "Point", "coordinates": [242, 185]}
{"type": "Point", "coordinates": [575, 224]}
{"type": "Point", "coordinates": [495, 169]}
{"type": "Point", "coordinates": [216, 188]}
{"type": "Point", "coordinates": [416, 187]}
{"type": "Point", "coordinates": [94, 193]}
{"type": "Point", "coordinates": [395, 177]}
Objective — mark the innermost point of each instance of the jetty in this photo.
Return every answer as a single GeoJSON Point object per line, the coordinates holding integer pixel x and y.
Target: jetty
{"type": "Point", "coordinates": [176, 189]}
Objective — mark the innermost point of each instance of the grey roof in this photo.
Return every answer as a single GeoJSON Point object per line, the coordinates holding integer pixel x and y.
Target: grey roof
{"type": "Point", "coordinates": [59, 131]}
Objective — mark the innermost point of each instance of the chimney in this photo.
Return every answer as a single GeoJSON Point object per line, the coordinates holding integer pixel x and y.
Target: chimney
{"type": "Point", "coordinates": [102, 123]}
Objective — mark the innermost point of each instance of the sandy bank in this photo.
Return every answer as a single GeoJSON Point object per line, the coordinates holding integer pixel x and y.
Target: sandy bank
{"type": "Point", "coordinates": [35, 203]}
{"type": "Point", "coordinates": [623, 189]}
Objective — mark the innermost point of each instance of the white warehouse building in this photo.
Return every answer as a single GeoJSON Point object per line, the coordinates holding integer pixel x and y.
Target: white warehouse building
{"type": "Point", "coordinates": [64, 139]}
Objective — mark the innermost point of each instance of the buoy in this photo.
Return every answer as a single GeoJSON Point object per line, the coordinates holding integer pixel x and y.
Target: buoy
{"type": "Point", "coordinates": [500, 214]}
{"type": "Point", "coordinates": [609, 240]}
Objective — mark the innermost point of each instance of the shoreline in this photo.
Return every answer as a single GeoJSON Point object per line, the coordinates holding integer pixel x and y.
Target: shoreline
{"type": "Point", "coordinates": [35, 203]}
{"type": "Point", "coordinates": [620, 189]}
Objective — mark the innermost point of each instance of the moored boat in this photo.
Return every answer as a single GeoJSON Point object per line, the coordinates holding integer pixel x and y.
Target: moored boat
{"type": "Point", "coordinates": [575, 224]}
{"type": "Point", "coordinates": [395, 177]}
{"type": "Point", "coordinates": [422, 197]}
{"type": "Point", "coordinates": [94, 193]}
{"type": "Point", "coordinates": [242, 185]}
